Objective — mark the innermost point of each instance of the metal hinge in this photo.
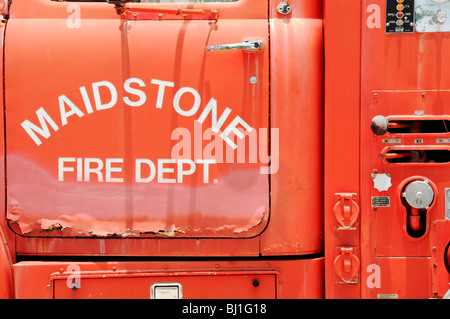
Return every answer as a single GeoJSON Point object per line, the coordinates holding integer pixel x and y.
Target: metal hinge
{"type": "Point", "coordinates": [284, 8]}
{"type": "Point", "coordinates": [346, 210]}
{"type": "Point", "coordinates": [346, 265]}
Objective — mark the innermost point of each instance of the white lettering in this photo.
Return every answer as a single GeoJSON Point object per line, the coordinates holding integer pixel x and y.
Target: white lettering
{"type": "Point", "coordinates": [161, 90]}
{"type": "Point", "coordinates": [98, 101]}
{"type": "Point", "coordinates": [88, 170]}
{"type": "Point", "coordinates": [149, 163]}
{"type": "Point", "coordinates": [139, 93]}
{"type": "Point", "coordinates": [86, 100]}
{"type": "Point", "coordinates": [162, 170]}
{"type": "Point", "coordinates": [206, 164]}
{"type": "Point", "coordinates": [195, 106]}
{"type": "Point", "coordinates": [109, 169]}
{"type": "Point", "coordinates": [44, 131]}
{"type": "Point", "coordinates": [79, 169]}
{"type": "Point", "coordinates": [182, 172]}
{"type": "Point", "coordinates": [212, 107]}
{"type": "Point", "coordinates": [186, 102]}
{"type": "Point", "coordinates": [73, 109]}
{"type": "Point", "coordinates": [232, 128]}
{"type": "Point", "coordinates": [62, 169]}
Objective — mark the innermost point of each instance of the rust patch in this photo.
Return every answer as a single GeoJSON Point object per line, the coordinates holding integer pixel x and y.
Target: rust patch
{"type": "Point", "coordinates": [86, 225]}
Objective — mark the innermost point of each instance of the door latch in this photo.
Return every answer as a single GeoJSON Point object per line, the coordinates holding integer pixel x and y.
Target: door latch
{"type": "Point", "coordinates": [346, 265]}
{"type": "Point", "coordinates": [346, 210]}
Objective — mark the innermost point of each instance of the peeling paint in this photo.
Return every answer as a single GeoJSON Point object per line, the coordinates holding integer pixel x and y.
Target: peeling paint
{"type": "Point", "coordinates": [40, 206]}
{"type": "Point", "coordinates": [81, 224]}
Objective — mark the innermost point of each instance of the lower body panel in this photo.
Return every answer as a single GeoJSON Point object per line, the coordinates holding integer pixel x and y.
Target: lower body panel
{"type": "Point", "coordinates": [219, 279]}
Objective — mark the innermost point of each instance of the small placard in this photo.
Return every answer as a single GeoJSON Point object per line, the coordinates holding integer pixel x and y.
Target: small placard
{"type": "Point", "coordinates": [381, 201]}
{"type": "Point", "coordinates": [392, 140]}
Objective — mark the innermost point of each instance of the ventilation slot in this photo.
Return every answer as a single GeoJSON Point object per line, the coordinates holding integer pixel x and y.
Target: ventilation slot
{"type": "Point", "coordinates": [417, 156]}
{"type": "Point", "coordinates": [418, 126]}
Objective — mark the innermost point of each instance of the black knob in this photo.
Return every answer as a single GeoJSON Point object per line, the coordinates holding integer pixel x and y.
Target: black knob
{"type": "Point", "coordinates": [256, 283]}
{"type": "Point", "coordinates": [379, 125]}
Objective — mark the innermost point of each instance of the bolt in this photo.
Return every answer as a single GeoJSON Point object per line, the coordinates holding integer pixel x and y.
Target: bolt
{"type": "Point", "coordinates": [255, 283]}
{"type": "Point", "coordinates": [74, 287]}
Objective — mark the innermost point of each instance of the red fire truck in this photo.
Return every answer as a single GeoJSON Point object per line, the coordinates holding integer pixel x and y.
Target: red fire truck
{"type": "Point", "coordinates": [174, 149]}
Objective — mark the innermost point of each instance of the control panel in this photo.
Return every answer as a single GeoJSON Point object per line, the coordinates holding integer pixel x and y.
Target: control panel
{"type": "Point", "coordinates": [400, 16]}
{"type": "Point", "coordinates": [423, 16]}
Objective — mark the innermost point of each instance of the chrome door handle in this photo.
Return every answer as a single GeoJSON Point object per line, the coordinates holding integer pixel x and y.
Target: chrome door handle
{"type": "Point", "coordinates": [248, 46]}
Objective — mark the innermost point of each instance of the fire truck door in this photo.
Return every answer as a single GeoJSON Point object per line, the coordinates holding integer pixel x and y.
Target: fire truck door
{"type": "Point", "coordinates": [137, 119]}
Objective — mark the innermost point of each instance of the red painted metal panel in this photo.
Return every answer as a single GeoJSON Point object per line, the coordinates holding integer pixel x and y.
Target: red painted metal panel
{"type": "Point", "coordinates": [6, 264]}
{"type": "Point", "coordinates": [115, 138]}
{"type": "Point", "coordinates": [401, 80]}
{"type": "Point", "coordinates": [341, 129]}
{"type": "Point", "coordinates": [440, 257]}
{"type": "Point", "coordinates": [399, 278]}
{"type": "Point", "coordinates": [68, 214]}
{"type": "Point", "coordinates": [195, 284]}
{"type": "Point", "coordinates": [296, 222]}
{"type": "Point", "coordinates": [386, 173]}
{"type": "Point", "coordinates": [136, 247]}
{"type": "Point", "coordinates": [200, 279]}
